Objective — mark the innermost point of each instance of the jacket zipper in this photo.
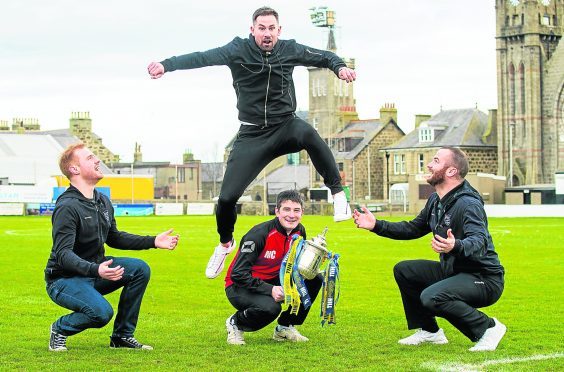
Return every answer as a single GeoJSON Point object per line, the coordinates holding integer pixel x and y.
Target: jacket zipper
{"type": "Point", "coordinates": [267, 87]}
{"type": "Point", "coordinates": [98, 228]}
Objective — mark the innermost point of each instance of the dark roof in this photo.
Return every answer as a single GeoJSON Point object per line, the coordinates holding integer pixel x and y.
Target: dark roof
{"type": "Point", "coordinates": [286, 174]}
{"type": "Point", "coordinates": [365, 129]}
{"type": "Point", "coordinates": [359, 128]}
{"type": "Point", "coordinates": [460, 128]}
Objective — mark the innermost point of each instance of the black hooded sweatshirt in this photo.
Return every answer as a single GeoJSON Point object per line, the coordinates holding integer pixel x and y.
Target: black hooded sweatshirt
{"type": "Point", "coordinates": [462, 210]}
{"type": "Point", "coordinates": [81, 226]}
{"type": "Point", "coordinates": [262, 80]}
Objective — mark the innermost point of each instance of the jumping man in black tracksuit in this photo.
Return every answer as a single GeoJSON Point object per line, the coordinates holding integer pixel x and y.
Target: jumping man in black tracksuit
{"type": "Point", "coordinates": [469, 274]}
{"type": "Point", "coordinates": [262, 67]}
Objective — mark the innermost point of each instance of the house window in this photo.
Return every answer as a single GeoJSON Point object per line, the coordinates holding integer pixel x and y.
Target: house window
{"type": "Point", "coordinates": [191, 174]}
{"type": "Point", "coordinates": [546, 20]}
{"type": "Point", "coordinates": [426, 135]}
{"type": "Point", "coordinates": [340, 166]}
{"type": "Point", "coordinates": [399, 164]}
{"type": "Point", "coordinates": [293, 158]}
{"type": "Point", "coordinates": [421, 163]}
{"type": "Point", "coordinates": [315, 123]}
{"type": "Point", "coordinates": [181, 175]}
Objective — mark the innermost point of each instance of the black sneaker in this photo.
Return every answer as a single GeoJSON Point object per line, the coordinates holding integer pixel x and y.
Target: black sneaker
{"type": "Point", "coordinates": [128, 343]}
{"type": "Point", "coordinates": [57, 341]}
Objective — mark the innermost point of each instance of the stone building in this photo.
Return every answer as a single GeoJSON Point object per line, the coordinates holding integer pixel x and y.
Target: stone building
{"type": "Point", "coordinates": [331, 100]}
{"type": "Point", "coordinates": [20, 125]}
{"type": "Point", "coordinates": [530, 73]}
{"type": "Point", "coordinates": [471, 130]}
{"type": "Point", "coordinates": [81, 127]}
{"type": "Point", "coordinates": [359, 160]}
{"type": "Point", "coordinates": [171, 181]}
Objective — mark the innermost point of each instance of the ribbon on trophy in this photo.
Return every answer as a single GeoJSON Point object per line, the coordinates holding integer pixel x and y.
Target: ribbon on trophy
{"type": "Point", "coordinates": [287, 268]}
{"type": "Point", "coordinates": [331, 290]}
{"type": "Point", "coordinates": [303, 260]}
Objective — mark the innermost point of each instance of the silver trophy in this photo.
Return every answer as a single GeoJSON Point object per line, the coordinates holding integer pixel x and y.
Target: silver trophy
{"type": "Point", "coordinates": [314, 253]}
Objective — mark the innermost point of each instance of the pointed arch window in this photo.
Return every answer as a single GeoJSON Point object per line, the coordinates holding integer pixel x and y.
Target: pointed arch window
{"type": "Point", "coordinates": [522, 87]}
{"type": "Point", "coordinates": [511, 89]}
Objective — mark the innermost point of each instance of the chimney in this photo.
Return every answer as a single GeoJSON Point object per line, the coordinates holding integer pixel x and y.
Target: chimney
{"type": "Point", "coordinates": [187, 157]}
{"type": "Point", "coordinates": [388, 112]}
{"type": "Point", "coordinates": [137, 155]}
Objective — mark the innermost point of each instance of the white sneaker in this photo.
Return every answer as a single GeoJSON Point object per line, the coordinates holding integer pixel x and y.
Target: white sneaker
{"type": "Point", "coordinates": [491, 337]}
{"type": "Point", "coordinates": [422, 336]}
{"type": "Point", "coordinates": [234, 335]}
{"type": "Point", "coordinates": [217, 259]}
{"type": "Point", "coordinates": [290, 333]}
{"type": "Point", "coordinates": [341, 207]}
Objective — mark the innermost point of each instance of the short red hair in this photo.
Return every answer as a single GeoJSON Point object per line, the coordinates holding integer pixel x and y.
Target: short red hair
{"type": "Point", "coordinates": [67, 157]}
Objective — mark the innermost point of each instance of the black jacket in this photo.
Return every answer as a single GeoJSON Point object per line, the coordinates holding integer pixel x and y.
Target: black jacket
{"type": "Point", "coordinates": [262, 80]}
{"type": "Point", "coordinates": [256, 265]}
{"type": "Point", "coordinates": [461, 210]}
{"type": "Point", "coordinates": [81, 226]}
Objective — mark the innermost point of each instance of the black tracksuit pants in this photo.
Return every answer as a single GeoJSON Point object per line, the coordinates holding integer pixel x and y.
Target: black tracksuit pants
{"type": "Point", "coordinates": [427, 292]}
{"type": "Point", "coordinates": [255, 311]}
{"type": "Point", "coordinates": [254, 148]}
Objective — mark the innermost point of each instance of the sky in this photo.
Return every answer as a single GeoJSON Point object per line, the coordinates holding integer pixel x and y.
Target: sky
{"type": "Point", "coordinates": [64, 56]}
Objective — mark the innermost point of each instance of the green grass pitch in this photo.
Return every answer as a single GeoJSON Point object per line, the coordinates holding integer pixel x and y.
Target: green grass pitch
{"type": "Point", "coordinates": [183, 313]}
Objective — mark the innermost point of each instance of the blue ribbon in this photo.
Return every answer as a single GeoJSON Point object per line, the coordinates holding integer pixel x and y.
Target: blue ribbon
{"type": "Point", "coordinates": [330, 291]}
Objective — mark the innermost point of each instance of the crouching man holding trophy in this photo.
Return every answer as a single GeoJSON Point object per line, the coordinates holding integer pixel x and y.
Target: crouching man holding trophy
{"type": "Point", "coordinates": [253, 282]}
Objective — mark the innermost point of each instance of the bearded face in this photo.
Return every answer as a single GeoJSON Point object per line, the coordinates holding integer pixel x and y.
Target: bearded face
{"type": "Point", "coordinates": [437, 176]}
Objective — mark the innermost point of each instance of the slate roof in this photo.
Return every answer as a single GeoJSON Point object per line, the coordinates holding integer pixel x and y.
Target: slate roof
{"type": "Point", "coordinates": [460, 128]}
{"type": "Point", "coordinates": [287, 174]}
{"type": "Point", "coordinates": [365, 129]}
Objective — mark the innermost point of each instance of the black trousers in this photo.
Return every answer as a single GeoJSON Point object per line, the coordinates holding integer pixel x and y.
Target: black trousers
{"type": "Point", "coordinates": [255, 311]}
{"type": "Point", "coordinates": [427, 292]}
{"type": "Point", "coordinates": [254, 148]}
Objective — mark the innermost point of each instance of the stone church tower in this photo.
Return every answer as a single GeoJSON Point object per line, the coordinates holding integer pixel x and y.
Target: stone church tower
{"type": "Point", "coordinates": [331, 100]}
{"type": "Point", "coordinates": [530, 83]}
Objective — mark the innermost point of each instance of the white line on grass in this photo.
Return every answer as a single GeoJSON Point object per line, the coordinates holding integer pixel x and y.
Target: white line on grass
{"type": "Point", "coordinates": [479, 366]}
{"type": "Point", "coordinates": [26, 232]}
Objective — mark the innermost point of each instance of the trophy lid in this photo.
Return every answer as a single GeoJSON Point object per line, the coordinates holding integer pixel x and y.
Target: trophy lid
{"type": "Point", "coordinates": [320, 239]}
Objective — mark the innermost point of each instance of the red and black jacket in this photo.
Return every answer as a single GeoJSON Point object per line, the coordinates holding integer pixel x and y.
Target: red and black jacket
{"type": "Point", "coordinates": [262, 249]}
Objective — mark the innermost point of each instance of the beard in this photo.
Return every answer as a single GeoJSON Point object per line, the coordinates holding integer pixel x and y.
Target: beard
{"type": "Point", "coordinates": [437, 177]}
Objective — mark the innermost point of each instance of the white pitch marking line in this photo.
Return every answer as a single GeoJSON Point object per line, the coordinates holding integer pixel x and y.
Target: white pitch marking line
{"type": "Point", "coordinates": [477, 367]}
